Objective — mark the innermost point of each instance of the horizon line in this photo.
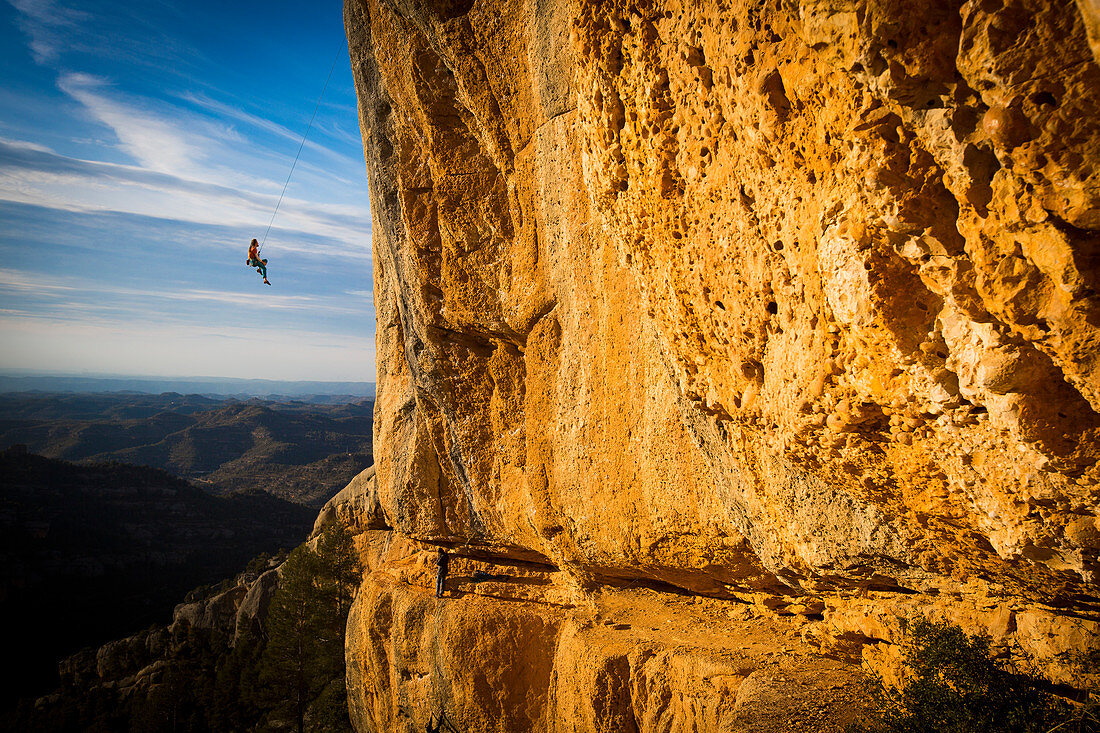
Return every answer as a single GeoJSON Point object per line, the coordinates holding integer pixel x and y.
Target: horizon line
{"type": "Point", "coordinates": [39, 373]}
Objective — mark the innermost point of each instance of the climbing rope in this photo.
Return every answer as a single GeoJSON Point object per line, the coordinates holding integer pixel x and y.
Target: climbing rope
{"type": "Point", "coordinates": [339, 53]}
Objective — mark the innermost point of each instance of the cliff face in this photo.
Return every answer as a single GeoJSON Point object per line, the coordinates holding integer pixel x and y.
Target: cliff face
{"type": "Point", "coordinates": [763, 324]}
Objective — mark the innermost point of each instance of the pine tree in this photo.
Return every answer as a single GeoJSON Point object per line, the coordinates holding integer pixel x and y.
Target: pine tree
{"type": "Point", "coordinates": [292, 621]}
{"type": "Point", "coordinates": [305, 626]}
{"type": "Point", "coordinates": [236, 697]}
{"type": "Point", "coordinates": [340, 573]}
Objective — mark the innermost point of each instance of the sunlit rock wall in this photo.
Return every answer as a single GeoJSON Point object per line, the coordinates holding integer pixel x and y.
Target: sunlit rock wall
{"type": "Point", "coordinates": [780, 300]}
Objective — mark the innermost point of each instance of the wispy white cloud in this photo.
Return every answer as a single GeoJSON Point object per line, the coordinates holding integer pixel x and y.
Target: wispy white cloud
{"type": "Point", "coordinates": [199, 158]}
{"type": "Point", "coordinates": [234, 113]}
{"type": "Point", "coordinates": [25, 281]}
{"type": "Point", "coordinates": [41, 285]}
{"type": "Point", "coordinates": [47, 25]}
{"type": "Point", "coordinates": [33, 174]}
{"type": "Point", "coordinates": [227, 111]}
{"type": "Point", "coordinates": [155, 143]}
{"type": "Point", "coordinates": [57, 31]}
{"type": "Point", "coordinates": [18, 146]}
{"type": "Point", "coordinates": [171, 139]}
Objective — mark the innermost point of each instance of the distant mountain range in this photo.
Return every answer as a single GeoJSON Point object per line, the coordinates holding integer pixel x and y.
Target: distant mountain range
{"type": "Point", "coordinates": [300, 451]}
{"type": "Point", "coordinates": [209, 386]}
{"type": "Point", "coordinates": [93, 552]}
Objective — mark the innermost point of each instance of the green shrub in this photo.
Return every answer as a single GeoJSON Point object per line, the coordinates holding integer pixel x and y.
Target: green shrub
{"type": "Point", "coordinates": [956, 686]}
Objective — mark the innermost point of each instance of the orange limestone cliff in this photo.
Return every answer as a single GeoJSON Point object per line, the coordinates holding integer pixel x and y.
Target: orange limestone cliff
{"type": "Point", "coordinates": [714, 339]}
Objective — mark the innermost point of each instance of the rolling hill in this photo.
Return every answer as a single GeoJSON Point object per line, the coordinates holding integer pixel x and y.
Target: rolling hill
{"type": "Point", "coordinates": [302, 452]}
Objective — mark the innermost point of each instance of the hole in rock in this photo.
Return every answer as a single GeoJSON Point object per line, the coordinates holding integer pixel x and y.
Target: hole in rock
{"type": "Point", "coordinates": [772, 307]}
{"type": "Point", "coordinates": [1044, 99]}
{"type": "Point", "coordinates": [719, 304]}
{"type": "Point", "coordinates": [385, 148]}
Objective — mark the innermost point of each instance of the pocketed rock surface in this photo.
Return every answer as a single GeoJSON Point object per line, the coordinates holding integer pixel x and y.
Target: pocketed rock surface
{"type": "Point", "coordinates": [781, 306]}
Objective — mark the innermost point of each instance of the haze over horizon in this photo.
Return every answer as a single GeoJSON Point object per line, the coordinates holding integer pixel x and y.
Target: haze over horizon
{"type": "Point", "coordinates": [141, 147]}
{"type": "Point", "coordinates": [14, 382]}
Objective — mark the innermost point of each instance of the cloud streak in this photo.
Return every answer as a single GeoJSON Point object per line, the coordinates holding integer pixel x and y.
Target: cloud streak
{"type": "Point", "coordinates": [37, 284]}
{"type": "Point", "coordinates": [155, 143]}
{"type": "Point", "coordinates": [33, 174]}
{"type": "Point", "coordinates": [46, 24]}
{"type": "Point", "coordinates": [234, 113]}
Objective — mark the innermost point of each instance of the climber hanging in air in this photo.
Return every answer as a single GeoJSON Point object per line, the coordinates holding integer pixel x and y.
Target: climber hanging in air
{"type": "Point", "coordinates": [255, 261]}
{"type": "Point", "coordinates": [254, 249]}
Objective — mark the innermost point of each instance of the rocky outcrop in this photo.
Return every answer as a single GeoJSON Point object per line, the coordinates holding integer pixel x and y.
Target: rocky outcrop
{"type": "Point", "coordinates": [356, 505]}
{"type": "Point", "coordinates": [139, 666]}
{"type": "Point", "coordinates": [253, 607]}
{"type": "Point", "coordinates": [792, 306]}
{"type": "Point", "coordinates": [216, 613]}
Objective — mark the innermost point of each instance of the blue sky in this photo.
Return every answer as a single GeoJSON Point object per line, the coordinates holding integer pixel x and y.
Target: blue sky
{"type": "Point", "coordinates": [142, 145]}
